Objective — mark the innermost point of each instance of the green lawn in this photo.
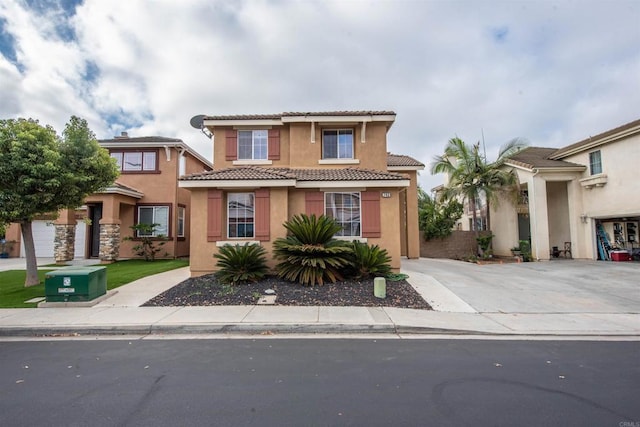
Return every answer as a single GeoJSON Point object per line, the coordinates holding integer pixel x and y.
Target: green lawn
{"type": "Point", "coordinates": [13, 294]}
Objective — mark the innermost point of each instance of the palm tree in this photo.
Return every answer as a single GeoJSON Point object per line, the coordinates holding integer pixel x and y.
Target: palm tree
{"type": "Point", "coordinates": [470, 175]}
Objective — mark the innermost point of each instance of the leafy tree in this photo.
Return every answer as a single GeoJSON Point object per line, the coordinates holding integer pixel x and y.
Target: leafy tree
{"type": "Point", "coordinates": [41, 173]}
{"type": "Point", "coordinates": [471, 175]}
{"type": "Point", "coordinates": [437, 219]}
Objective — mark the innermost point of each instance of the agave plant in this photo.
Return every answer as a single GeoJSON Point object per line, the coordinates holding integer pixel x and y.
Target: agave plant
{"type": "Point", "coordinates": [309, 254]}
{"type": "Point", "coordinates": [241, 263]}
{"type": "Point", "coordinates": [369, 261]}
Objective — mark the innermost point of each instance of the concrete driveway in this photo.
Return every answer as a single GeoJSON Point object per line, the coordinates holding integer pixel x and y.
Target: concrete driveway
{"type": "Point", "coordinates": [562, 286]}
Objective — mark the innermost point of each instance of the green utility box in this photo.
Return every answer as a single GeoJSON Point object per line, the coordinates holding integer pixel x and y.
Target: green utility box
{"type": "Point", "coordinates": [75, 284]}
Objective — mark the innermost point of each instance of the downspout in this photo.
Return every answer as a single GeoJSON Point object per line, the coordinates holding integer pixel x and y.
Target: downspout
{"type": "Point", "coordinates": [174, 214]}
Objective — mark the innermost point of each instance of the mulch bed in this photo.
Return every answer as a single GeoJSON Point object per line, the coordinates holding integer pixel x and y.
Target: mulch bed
{"type": "Point", "coordinates": [207, 291]}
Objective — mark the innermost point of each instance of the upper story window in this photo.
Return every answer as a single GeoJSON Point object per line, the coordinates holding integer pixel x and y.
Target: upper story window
{"type": "Point", "coordinates": [337, 144]}
{"type": "Point", "coordinates": [345, 209]}
{"type": "Point", "coordinates": [252, 144]}
{"type": "Point", "coordinates": [595, 163]}
{"type": "Point", "coordinates": [136, 161]}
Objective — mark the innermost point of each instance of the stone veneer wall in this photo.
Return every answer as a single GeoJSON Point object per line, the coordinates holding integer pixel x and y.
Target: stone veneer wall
{"type": "Point", "coordinates": [64, 242]}
{"type": "Point", "coordinates": [459, 245]}
{"type": "Point", "coordinates": [109, 242]}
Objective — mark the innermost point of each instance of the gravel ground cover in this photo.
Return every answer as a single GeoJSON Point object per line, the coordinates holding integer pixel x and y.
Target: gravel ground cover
{"type": "Point", "coordinates": [207, 291]}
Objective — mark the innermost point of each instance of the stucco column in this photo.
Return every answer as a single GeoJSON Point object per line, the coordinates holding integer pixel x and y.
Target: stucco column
{"type": "Point", "coordinates": [65, 236]}
{"type": "Point", "coordinates": [539, 219]}
{"type": "Point", "coordinates": [413, 229]}
{"type": "Point", "coordinates": [578, 230]}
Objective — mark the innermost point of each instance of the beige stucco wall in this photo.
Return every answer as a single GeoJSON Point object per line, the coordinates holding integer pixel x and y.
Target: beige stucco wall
{"type": "Point", "coordinates": [284, 203]}
{"type": "Point", "coordinates": [297, 150]}
{"type": "Point", "coordinates": [504, 224]}
{"type": "Point", "coordinates": [620, 163]}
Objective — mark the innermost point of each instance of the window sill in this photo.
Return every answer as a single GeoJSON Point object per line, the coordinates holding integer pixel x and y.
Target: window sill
{"type": "Point", "coordinates": [339, 162]}
{"type": "Point", "coordinates": [138, 172]}
{"type": "Point", "coordinates": [252, 162]}
{"type": "Point", "coordinates": [221, 243]}
{"type": "Point", "coordinates": [594, 181]}
{"type": "Point", "coordinates": [351, 238]}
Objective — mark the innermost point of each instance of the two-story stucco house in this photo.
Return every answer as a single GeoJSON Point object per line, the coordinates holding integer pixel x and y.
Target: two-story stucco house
{"type": "Point", "coordinates": [575, 197]}
{"type": "Point", "coordinates": [145, 192]}
{"type": "Point", "coordinates": [268, 168]}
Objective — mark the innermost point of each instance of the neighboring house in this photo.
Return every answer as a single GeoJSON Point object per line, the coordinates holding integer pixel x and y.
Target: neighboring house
{"type": "Point", "coordinates": [145, 192]}
{"type": "Point", "coordinates": [569, 194]}
{"type": "Point", "coordinates": [268, 168]}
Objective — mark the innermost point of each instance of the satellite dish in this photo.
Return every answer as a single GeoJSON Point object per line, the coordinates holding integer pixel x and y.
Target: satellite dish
{"type": "Point", "coordinates": [196, 121]}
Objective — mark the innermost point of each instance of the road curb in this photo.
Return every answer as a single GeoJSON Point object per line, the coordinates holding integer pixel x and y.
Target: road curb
{"type": "Point", "coordinates": [271, 329]}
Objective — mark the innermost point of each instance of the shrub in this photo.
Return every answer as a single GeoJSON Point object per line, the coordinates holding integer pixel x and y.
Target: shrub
{"type": "Point", "coordinates": [525, 250]}
{"type": "Point", "coordinates": [241, 263]}
{"type": "Point", "coordinates": [148, 245]}
{"type": "Point", "coordinates": [309, 254]}
{"type": "Point", "coordinates": [484, 243]}
{"type": "Point", "coordinates": [368, 261]}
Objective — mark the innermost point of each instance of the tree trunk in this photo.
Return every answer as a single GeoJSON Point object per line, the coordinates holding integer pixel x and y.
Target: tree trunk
{"type": "Point", "coordinates": [30, 252]}
{"type": "Point", "coordinates": [474, 214]}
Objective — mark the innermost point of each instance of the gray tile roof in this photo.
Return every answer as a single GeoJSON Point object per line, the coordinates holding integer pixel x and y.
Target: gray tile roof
{"type": "Point", "coordinates": [402, 160]}
{"type": "Point", "coordinates": [538, 158]}
{"type": "Point", "coordinates": [296, 114]}
{"type": "Point", "coordinates": [268, 173]}
{"type": "Point", "coordinates": [558, 154]}
{"type": "Point", "coordinates": [126, 139]}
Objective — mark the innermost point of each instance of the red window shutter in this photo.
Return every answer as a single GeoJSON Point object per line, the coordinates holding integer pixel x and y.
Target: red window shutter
{"type": "Point", "coordinates": [274, 144]}
{"type": "Point", "coordinates": [314, 203]}
{"type": "Point", "coordinates": [231, 151]}
{"type": "Point", "coordinates": [214, 216]}
{"type": "Point", "coordinates": [262, 214]}
{"type": "Point", "coordinates": [370, 202]}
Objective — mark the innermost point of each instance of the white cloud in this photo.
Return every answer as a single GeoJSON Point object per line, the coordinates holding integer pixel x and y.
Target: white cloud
{"type": "Point", "coordinates": [552, 72]}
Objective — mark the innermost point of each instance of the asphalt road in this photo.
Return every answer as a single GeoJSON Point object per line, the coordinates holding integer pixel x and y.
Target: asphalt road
{"type": "Point", "coordinates": [282, 382]}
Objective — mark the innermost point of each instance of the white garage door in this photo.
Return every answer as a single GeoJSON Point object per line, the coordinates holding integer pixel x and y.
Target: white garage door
{"type": "Point", "coordinates": [44, 234]}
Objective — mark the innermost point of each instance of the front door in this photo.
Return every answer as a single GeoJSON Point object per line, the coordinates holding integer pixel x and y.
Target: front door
{"type": "Point", "coordinates": [95, 215]}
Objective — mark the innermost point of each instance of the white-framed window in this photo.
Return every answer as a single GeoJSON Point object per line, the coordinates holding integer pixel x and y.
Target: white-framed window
{"type": "Point", "coordinates": [240, 215]}
{"type": "Point", "coordinates": [345, 209]}
{"type": "Point", "coordinates": [181, 218]}
{"type": "Point", "coordinates": [595, 162]}
{"type": "Point", "coordinates": [252, 144]}
{"type": "Point", "coordinates": [132, 161]}
{"type": "Point", "coordinates": [337, 144]}
{"type": "Point", "coordinates": [154, 215]}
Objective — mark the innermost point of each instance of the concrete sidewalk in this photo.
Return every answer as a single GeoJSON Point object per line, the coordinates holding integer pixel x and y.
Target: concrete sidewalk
{"type": "Point", "coordinates": [121, 314]}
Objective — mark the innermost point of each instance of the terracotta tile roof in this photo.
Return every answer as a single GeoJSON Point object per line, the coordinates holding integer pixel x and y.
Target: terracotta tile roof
{"type": "Point", "coordinates": [586, 142]}
{"type": "Point", "coordinates": [344, 174]}
{"type": "Point", "coordinates": [538, 157]}
{"type": "Point", "coordinates": [402, 160]}
{"type": "Point", "coordinates": [239, 174]}
{"type": "Point", "coordinates": [268, 173]}
{"type": "Point", "coordinates": [296, 114]}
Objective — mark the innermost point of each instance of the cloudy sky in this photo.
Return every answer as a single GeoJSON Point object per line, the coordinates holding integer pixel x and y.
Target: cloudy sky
{"type": "Point", "coordinates": [553, 72]}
